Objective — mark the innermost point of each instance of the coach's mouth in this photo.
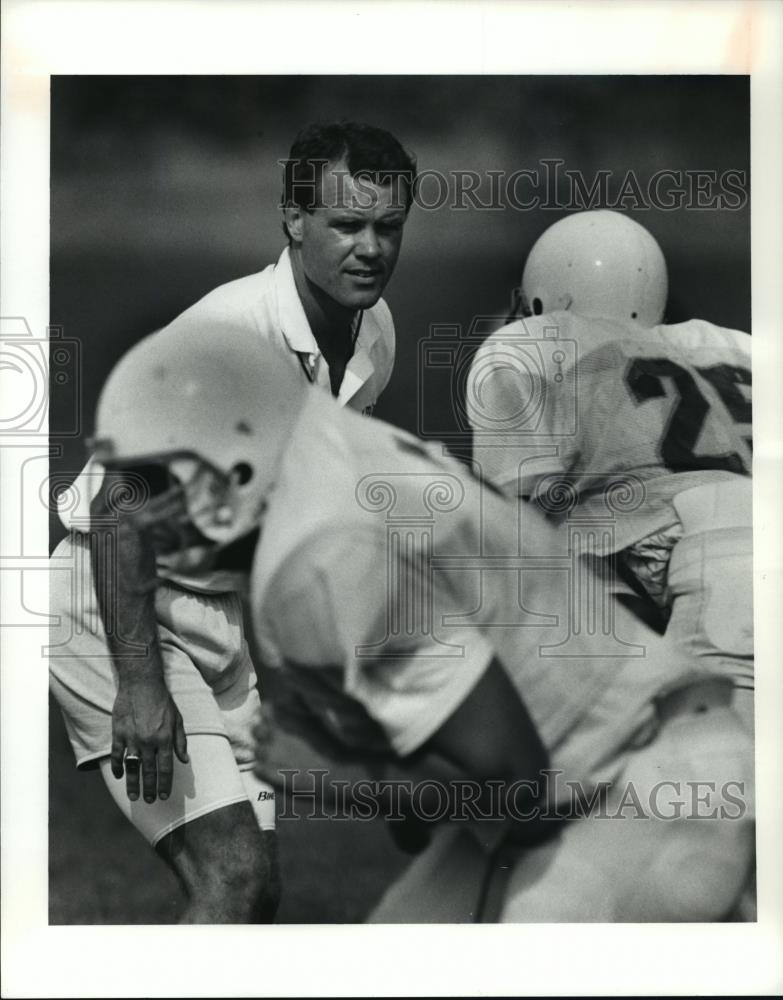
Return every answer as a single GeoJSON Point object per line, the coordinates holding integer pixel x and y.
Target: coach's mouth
{"type": "Point", "coordinates": [365, 275]}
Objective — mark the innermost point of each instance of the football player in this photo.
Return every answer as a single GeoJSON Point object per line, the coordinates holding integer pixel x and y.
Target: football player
{"type": "Point", "coordinates": [386, 585]}
{"type": "Point", "coordinates": [588, 395]}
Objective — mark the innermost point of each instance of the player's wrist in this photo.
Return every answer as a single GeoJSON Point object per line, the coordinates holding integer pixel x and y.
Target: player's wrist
{"type": "Point", "coordinates": [146, 673]}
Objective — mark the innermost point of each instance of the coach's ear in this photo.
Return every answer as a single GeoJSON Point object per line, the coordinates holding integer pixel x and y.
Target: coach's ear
{"type": "Point", "coordinates": [294, 222]}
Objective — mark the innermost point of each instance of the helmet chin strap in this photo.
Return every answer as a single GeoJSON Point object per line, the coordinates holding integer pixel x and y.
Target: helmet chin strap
{"type": "Point", "coordinates": [203, 508]}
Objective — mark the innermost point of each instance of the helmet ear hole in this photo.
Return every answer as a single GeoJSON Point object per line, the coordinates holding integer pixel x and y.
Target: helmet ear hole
{"type": "Point", "coordinates": [538, 307]}
{"type": "Point", "coordinates": [634, 315]}
{"type": "Point", "coordinates": [242, 473]}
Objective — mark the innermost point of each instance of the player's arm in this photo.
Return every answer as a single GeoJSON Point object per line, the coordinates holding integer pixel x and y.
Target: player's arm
{"type": "Point", "coordinates": [490, 735]}
{"type": "Point", "coordinates": [508, 402]}
{"type": "Point", "coordinates": [145, 720]}
{"type": "Point", "coordinates": [489, 738]}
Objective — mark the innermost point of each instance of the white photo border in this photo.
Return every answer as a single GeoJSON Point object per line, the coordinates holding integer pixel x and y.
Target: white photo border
{"type": "Point", "coordinates": [203, 37]}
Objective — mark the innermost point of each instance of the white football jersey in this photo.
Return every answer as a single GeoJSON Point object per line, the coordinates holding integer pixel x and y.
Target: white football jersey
{"type": "Point", "coordinates": [387, 577]}
{"type": "Point", "coordinates": [566, 408]}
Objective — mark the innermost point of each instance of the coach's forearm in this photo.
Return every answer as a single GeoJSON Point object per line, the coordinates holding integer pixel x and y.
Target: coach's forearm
{"type": "Point", "coordinates": [147, 729]}
{"type": "Point", "coordinates": [123, 569]}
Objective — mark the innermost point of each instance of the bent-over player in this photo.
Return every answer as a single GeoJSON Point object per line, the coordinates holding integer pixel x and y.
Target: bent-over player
{"type": "Point", "coordinates": [420, 643]}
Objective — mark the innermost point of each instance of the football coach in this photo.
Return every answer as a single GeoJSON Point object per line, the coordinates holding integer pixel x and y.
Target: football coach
{"type": "Point", "coordinates": [170, 725]}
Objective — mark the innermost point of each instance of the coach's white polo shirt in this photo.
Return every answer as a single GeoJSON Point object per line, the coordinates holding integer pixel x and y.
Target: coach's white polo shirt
{"type": "Point", "coordinates": [268, 303]}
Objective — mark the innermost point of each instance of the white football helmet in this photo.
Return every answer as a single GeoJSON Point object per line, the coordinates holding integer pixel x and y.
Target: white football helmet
{"type": "Point", "coordinates": [212, 403]}
{"type": "Point", "coordinates": [599, 264]}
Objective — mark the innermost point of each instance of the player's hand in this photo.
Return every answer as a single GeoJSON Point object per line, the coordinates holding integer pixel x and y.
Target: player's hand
{"type": "Point", "coordinates": [147, 723]}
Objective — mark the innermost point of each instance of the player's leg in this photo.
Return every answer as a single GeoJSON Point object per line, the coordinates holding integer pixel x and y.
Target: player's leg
{"type": "Point", "coordinates": [216, 831]}
{"type": "Point", "coordinates": [693, 859]}
{"type": "Point", "coordinates": [442, 885]}
{"type": "Point", "coordinates": [673, 840]}
{"type": "Point", "coordinates": [711, 583]}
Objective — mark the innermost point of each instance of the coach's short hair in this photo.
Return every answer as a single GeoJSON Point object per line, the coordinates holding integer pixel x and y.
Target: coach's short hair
{"type": "Point", "coordinates": [368, 151]}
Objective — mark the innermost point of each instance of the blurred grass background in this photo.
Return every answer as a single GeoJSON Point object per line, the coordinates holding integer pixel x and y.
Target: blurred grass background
{"type": "Point", "coordinates": [164, 187]}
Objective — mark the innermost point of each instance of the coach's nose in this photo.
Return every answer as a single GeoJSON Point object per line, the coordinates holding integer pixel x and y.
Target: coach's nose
{"type": "Point", "coordinates": [368, 247]}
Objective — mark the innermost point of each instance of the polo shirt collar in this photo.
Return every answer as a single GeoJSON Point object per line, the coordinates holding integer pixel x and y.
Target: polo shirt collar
{"type": "Point", "coordinates": [358, 371]}
{"type": "Point", "coordinates": [293, 321]}
{"type": "Point", "coordinates": [299, 337]}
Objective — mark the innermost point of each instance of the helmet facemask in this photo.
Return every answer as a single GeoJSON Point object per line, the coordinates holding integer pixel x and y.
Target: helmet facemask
{"type": "Point", "coordinates": [223, 506]}
{"type": "Point", "coordinates": [192, 509]}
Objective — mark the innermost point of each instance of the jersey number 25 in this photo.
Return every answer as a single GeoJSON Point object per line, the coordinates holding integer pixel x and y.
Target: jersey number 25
{"type": "Point", "coordinates": [645, 380]}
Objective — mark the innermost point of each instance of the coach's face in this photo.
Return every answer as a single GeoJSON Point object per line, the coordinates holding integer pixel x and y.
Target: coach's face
{"type": "Point", "coordinates": [350, 242]}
